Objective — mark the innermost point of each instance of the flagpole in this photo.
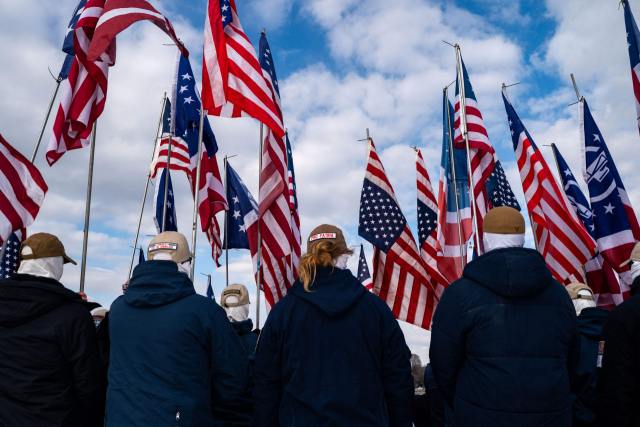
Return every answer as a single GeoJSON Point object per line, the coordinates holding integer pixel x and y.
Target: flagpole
{"type": "Point", "coordinates": [196, 194]}
{"type": "Point", "coordinates": [463, 122]}
{"type": "Point", "coordinates": [85, 241]}
{"type": "Point", "coordinates": [146, 186]}
{"type": "Point", "coordinates": [286, 131]}
{"type": "Point", "coordinates": [259, 237]}
{"type": "Point", "coordinates": [453, 172]}
{"type": "Point", "coordinates": [46, 118]}
{"type": "Point", "coordinates": [226, 223]}
{"type": "Point", "coordinates": [166, 186]}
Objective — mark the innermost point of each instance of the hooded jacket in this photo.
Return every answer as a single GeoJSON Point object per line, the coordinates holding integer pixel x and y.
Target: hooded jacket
{"type": "Point", "coordinates": [505, 343]}
{"type": "Point", "coordinates": [169, 346]}
{"type": "Point", "coordinates": [49, 362]}
{"type": "Point", "coordinates": [334, 356]}
{"type": "Point", "coordinates": [618, 386]}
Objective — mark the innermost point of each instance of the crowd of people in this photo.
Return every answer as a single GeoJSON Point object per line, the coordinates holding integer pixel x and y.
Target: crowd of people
{"type": "Point", "coordinates": [510, 346]}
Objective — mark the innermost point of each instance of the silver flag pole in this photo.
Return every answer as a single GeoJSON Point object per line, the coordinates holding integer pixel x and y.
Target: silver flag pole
{"type": "Point", "coordinates": [166, 186]}
{"type": "Point", "coordinates": [46, 119]}
{"type": "Point", "coordinates": [196, 194]}
{"type": "Point", "coordinates": [85, 241]}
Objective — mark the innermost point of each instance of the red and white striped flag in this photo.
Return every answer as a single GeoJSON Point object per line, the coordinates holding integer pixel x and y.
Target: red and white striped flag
{"type": "Point", "coordinates": [399, 275]}
{"type": "Point", "coordinates": [22, 191]}
{"type": "Point", "coordinates": [232, 82]}
{"type": "Point", "coordinates": [84, 93]}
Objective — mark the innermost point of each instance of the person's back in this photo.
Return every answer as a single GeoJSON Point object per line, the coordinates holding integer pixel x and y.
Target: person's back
{"type": "Point", "coordinates": [505, 341]}
{"type": "Point", "coordinates": [168, 346]}
{"type": "Point", "coordinates": [332, 355]}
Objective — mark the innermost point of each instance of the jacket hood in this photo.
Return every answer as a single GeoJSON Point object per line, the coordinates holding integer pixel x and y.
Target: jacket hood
{"type": "Point", "coordinates": [156, 283]}
{"type": "Point", "coordinates": [333, 291]}
{"type": "Point", "coordinates": [510, 272]}
{"type": "Point", "coordinates": [24, 297]}
{"type": "Point", "coordinates": [244, 327]}
{"type": "Point", "coordinates": [591, 320]}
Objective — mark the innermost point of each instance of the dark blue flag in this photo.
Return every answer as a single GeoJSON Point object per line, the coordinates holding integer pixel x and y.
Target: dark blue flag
{"type": "Point", "coordinates": [363, 271]}
{"type": "Point", "coordinates": [67, 45]}
{"type": "Point", "coordinates": [158, 202]}
{"type": "Point", "coordinates": [141, 256]}
{"type": "Point", "coordinates": [242, 219]}
{"type": "Point", "coordinates": [11, 258]}
{"type": "Point", "coordinates": [498, 189]}
{"type": "Point", "coordinates": [210, 293]}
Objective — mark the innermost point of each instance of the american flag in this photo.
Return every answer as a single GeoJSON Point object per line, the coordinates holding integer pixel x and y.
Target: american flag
{"type": "Point", "coordinates": [562, 239]}
{"type": "Point", "coordinates": [363, 271]}
{"type": "Point", "coordinates": [499, 190]}
{"type": "Point", "coordinates": [448, 235]}
{"type": "Point", "coordinates": [399, 276]}
{"type": "Point", "coordinates": [601, 278]}
{"type": "Point", "coordinates": [232, 83]}
{"type": "Point", "coordinates": [141, 256]}
{"type": "Point", "coordinates": [84, 92]}
{"type": "Point", "coordinates": [11, 256]}
{"type": "Point", "coordinates": [428, 226]}
{"type": "Point", "coordinates": [481, 151]}
{"type": "Point", "coordinates": [67, 45]}
{"type": "Point", "coordinates": [22, 191]}
{"type": "Point", "coordinates": [633, 46]}
{"type": "Point", "coordinates": [293, 206]}
{"type": "Point", "coordinates": [171, 223]}
{"type": "Point", "coordinates": [615, 223]}
{"type": "Point", "coordinates": [210, 293]}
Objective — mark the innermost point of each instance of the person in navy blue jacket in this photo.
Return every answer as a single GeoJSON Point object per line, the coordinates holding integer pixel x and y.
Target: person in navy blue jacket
{"type": "Point", "coordinates": [331, 353]}
{"type": "Point", "coordinates": [169, 346]}
{"type": "Point", "coordinates": [505, 342]}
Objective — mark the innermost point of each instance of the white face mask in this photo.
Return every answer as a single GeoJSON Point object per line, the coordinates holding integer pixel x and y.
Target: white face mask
{"type": "Point", "coordinates": [341, 261]}
{"type": "Point", "coordinates": [238, 313]}
{"type": "Point", "coordinates": [499, 241]}
{"type": "Point", "coordinates": [184, 267]}
{"type": "Point", "coordinates": [51, 267]}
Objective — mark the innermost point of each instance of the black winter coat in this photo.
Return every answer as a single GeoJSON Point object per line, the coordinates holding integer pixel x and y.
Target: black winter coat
{"type": "Point", "coordinates": [618, 387]}
{"type": "Point", "coordinates": [505, 343]}
{"type": "Point", "coordinates": [49, 362]}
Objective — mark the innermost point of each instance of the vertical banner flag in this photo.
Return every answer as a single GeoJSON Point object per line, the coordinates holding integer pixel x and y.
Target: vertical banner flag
{"type": "Point", "coordinates": [67, 45]}
{"type": "Point", "coordinates": [141, 256]}
{"type": "Point", "coordinates": [363, 271]}
{"type": "Point", "coordinates": [615, 222]}
{"type": "Point", "coordinates": [633, 46]}
{"type": "Point", "coordinates": [602, 280]}
{"type": "Point", "coordinates": [158, 201]}
{"type": "Point", "coordinates": [562, 239]}
{"type": "Point", "coordinates": [22, 191]}
{"type": "Point", "coordinates": [448, 240]}
{"type": "Point", "coordinates": [399, 276]}
{"type": "Point", "coordinates": [295, 214]}
{"type": "Point", "coordinates": [210, 293]}
{"type": "Point", "coordinates": [11, 257]}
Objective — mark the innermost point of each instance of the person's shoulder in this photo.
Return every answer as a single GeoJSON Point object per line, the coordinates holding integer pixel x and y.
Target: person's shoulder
{"type": "Point", "coordinates": [627, 309]}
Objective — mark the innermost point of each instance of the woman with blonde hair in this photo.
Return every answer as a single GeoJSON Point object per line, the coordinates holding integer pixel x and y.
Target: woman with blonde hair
{"type": "Point", "coordinates": [331, 353]}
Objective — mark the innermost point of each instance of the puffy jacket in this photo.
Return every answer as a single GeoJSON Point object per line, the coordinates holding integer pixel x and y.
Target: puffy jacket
{"type": "Point", "coordinates": [238, 412]}
{"type": "Point", "coordinates": [618, 387]}
{"type": "Point", "coordinates": [334, 356]}
{"type": "Point", "coordinates": [584, 387]}
{"type": "Point", "coordinates": [505, 343]}
{"type": "Point", "coordinates": [168, 347]}
{"type": "Point", "coordinates": [49, 362]}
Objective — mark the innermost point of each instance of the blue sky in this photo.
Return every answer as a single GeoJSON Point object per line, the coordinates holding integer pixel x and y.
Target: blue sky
{"type": "Point", "coordinates": [343, 66]}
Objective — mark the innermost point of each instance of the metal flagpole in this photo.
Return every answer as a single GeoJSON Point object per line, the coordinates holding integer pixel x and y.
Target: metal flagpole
{"type": "Point", "coordinates": [286, 131]}
{"type": "Point", "coordinates": [455, 184]}
{"type": "Point", "coordinates": [146, 186]}
{"type": "Point", "coordinates": [226, 223]}
{"type": "Point", "coordinates": [259, 237]}
{"type": "Point", "coordinates": [463, 122]}
{"type": "Point", "coordinates": [46, 119]}
{"type": "Point", "coordinates": [88, 208]}
{"type": "Point", "coordinates": [196, 194]}
{"type": "Point", "coordinates": [166, 186]}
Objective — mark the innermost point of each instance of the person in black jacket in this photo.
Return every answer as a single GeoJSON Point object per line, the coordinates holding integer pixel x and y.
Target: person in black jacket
{"type": "Point", "coordinates": [49, 362]}
{"type": "Point", "coordinates": [505, 343]}
{"type": "Point", "coordinates": [618, 387]}
{"type": "Point", "coordinates": [331, 353]}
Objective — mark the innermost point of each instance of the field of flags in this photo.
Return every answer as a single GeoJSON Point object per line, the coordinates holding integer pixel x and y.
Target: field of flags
{"type": "Point", "coordinates": [583, 238]}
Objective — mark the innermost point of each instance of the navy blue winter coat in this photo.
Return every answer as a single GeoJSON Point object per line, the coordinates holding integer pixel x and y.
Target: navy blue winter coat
{"type": "Point", "coordinates": [238, 412]}
{"type": "Point", "coordinates": [334, 356]}
{"type": "Point", "coordinates": [583, 397]}
{"type": "Point", "coordinates": [168, 346]}
{"type": "Point", "coordinates": [505, 343]}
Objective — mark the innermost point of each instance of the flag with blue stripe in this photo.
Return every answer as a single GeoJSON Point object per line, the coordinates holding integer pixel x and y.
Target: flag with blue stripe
{"type": "Point", "coordinates": [158, 201]}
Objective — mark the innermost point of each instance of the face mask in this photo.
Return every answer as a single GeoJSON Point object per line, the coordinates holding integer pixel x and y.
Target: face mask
{"type": "Point", "coordinates": [341, 261]}
{"type": "Point", "coordinates": [238, 313]}
{"type": "Point", "coordinates": [499, 241]}
{"type": "Point", "coordinates": [635, 269]}
{"type": "Point", "coordinates": [51, 267]}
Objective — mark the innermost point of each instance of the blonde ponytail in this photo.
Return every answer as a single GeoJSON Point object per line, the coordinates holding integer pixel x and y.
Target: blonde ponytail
{"type": "Point", "coordinates": [322, 255]}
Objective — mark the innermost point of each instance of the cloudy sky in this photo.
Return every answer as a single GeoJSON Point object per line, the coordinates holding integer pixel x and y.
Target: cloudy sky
{"type": "Point", "coordinates": [343, 66]}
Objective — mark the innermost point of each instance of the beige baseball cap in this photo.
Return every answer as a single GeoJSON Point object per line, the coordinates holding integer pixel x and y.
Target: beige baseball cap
{"type": "Point", "coordinates": [635, 255]}
{"type": "Point", "coordinates": [171, 242]}
{"type": "Point", "coordinates": [236, 290]}
{"type": "Point", "coordinates": [575, 288]}
{"type": "Point", "coordinates": [44, 245]}
{"type": "Point", "coordinates": [326, 232]}
{"type": "Point", "coordinates": [503, 220]}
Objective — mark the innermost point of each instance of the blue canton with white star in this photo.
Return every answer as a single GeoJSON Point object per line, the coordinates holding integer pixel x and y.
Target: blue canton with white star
{"type": "Point", "coordinates": [67, 45]}
{"type": "Point", "coordinates": [11, 258]}
{"type": "Point", "coordinates": [633, 35]}
{"type": "Point", "coordinates": [172, 222]}
{"type": "Point", "coordinates": [242, 206]}
{"type": "Point", "coordinates": [427, 221]}
{"type": "Point", "coordinates": [225, 11]}
{"type": "Point", "coordinates": [266, 62]}
{"type": "Point", "coordinates": [363, 268]}
{"type": "Point", "coordinates": [499, 190]}
{"type": "Point", "coordinates": [381, 220]}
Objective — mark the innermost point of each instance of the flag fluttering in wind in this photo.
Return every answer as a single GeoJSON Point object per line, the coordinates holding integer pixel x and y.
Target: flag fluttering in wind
{"type": "Point", "coordinates": [85, 91]}
{"type": "Point", "coordinates": [633, 46]}
{"type": "Point", "coordinates": [22, 191]}
{"type": "Point", "coordinates": [428, 226]}
{"type": "Point", "coordinates": [615, 223]}
{"type": "Point", "coordinates": [232, 82]}
{"type": "Point", "coordinates": [171, 223]}
{"type": "Point", "coordinates": [499, 190]}
{"type": "Point", "coordinates": [363, 271]}
{"type": "Point", "coordinates": [600, 275]}
{"type": "Point", "coordinates": [118, 15]}
{"type": "Point", "coordinates": [242, 222]}
{"type": "Point", "coordinates": [295, 214]}
{"type": "Point", "coordinates": [210, 293]}
{"type": "Point", "coordinates": [399, 277]}
{"type": "Point", "coordinates": [67, 45]}
{"type": "Point", "coordinates": [562, 239]}
{"type": "Point", "coordinates": [11, 257]}
{"type": "Point", "coordinates": [451, 210]}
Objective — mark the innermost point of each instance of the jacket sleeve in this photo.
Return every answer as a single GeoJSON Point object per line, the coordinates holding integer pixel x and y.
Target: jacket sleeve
{"type": "Point", "coordinates": [80, 347]}
{"type": "Point", "coordinates": [573, 357]}
{"type": "Point", "coordinates": [267, 391]}
{"type": "Point", "coordinates": [446, 351]}
{"type": "Point", "coordinates": [437, 413]}
{"type": "Point", "coordinates": [615, 385]}
{"type": "Point", "coordinates": [397, 380]}
{"type": "Point", "coordinates": [230, 366]}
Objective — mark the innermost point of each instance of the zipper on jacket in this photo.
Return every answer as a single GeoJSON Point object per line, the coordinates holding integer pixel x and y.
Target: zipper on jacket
{"type": "Point", "coordinates": [177, 419]}
{"type": "Point", "coordinates": [105, 419]}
